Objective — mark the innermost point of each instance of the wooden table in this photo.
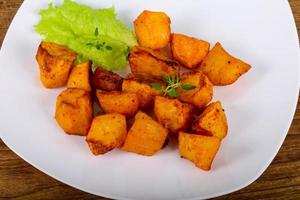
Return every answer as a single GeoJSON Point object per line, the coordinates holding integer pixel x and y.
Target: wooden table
{"type": "Point", "coordinates": [19, 180]}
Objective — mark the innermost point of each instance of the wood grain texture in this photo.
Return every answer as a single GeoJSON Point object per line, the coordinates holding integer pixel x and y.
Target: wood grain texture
{"type": "Point", "coordinates": [19, 180]}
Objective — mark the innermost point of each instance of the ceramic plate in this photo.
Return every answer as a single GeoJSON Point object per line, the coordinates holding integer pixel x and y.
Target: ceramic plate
{"type": "Point", "coordinates": [259, 106]}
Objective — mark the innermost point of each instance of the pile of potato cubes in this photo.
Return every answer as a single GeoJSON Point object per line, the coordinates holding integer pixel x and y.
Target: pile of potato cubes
{"type": "Point", "coordinates": [135, 116]}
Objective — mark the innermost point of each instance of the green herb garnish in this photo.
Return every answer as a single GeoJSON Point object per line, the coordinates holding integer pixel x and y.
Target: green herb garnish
{"type": "Point", "coordinates": [97, 44]}
{"type": "Point", "coordinates": [108, 48]}
{"type": "Point", "coordinates": [172, 83]}
{"type": "Point", "coordinates": [157, 87]}
{"type": "Point", "coordinates": [187, 87]}
{"type": "Point", "coordinates": [96, 32]}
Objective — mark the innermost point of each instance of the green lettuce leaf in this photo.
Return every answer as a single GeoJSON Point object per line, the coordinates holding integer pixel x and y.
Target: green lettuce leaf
{"type": "Point", "coordinates": [95, 34]}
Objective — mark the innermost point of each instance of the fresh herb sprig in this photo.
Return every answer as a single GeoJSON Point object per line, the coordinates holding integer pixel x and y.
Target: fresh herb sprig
{"type": "Point", "coordinates": [172, 83]}
{"type": "Point", "coordinates": [98, 45]}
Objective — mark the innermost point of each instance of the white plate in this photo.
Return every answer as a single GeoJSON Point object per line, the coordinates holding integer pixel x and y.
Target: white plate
{"type": "Point", "coordinates": [259, 106]}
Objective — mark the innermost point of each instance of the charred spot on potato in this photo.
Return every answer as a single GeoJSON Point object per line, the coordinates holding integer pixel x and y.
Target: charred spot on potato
{"type": "Point", "coordinates": [106, 80]}
{"type": "Point", "coordinates": [166, 143]}
{"type": "Point", "coordinates": [171, 63]}
{"type": "Point", "coordinates": [144, 78]}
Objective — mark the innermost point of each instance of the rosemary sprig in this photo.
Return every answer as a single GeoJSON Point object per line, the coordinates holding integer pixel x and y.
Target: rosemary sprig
{"type": "Point", "coordinates": [172, 83]}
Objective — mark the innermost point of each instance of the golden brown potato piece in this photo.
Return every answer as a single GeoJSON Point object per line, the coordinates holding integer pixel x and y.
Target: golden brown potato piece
{"type": "Point", "coordinates": [106, 80]}
{"type": "Point", "coordinates": [74, 112]}
{"type": "Point", "coordinates": [188, 51]}
{"type": "Point", "coordinates": [118, 102]}
{"type": "Point", "coordinates": [80, 77]}
{"type": "Point", "coordinates": [201, 94]}
{"type": "Point", "coordinates": [152, 29]}
{"type": "Point", "coordinates": [166, 51]}
{"type": "Point", "coordinates": [172, 113]}
{"type": "Point", "coordinates": [153, 63]}
{"type": "Point", "coordinates": [221, 68]}
{"type": "Point", "coordinates": [199, 149]}
{"type": "Point", "coordinates": [106, 133]}
{"type": "Point", "coordinates": [145, 78]}
{"type": "Point", "coordinates": [212, 121]}
{"type": "Point", "coordinates": [146, 136]}
{"type": "Point", "coordinates": [142, 88]}
{"type": "Point", "coordinates": [55, 63]}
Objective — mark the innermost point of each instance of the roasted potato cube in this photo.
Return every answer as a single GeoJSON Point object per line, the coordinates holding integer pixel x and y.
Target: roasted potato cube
{"type": "Point", "coordinates": [172, 113]}
{"type": "Point", "coordinates": [55, 63]}
{"type": "Point", "coordinates": [74, 112]}
{"type": "Point", "coordinates": [221, 68]}
{"type": "Point", "coordinates": [80, 77]}
{"type": "Point", "coordinates": [142, 89]}
{"type": "Point", "coordinates": [146, 136]}
{"type": "Point", "coordinates": [212, 121]}
{"type": "Point", "coordinates": [201, 94]}
{"type": "Point", "coordinates": [106, 80]}
{"type": "Point", "coordinates": [152, 29]}
{"type": "Point", "coordinates": [166, 51]}
{"type": "Point", "coordinates": [106, 133]}
{"type": "Point", "coordinates": [153, 63]}
{"type": "Point", "coordinates": [188, 51]}
{"type": "Point", "coordinates": [199, 149]}
{"type": "Point", "coordinates": [118, 102]}
{"type": "Point", "coordinates": [145, 78]}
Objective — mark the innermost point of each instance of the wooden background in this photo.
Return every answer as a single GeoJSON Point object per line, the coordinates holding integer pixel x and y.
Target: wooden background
{"type": "Point", "coordinates": [19, 180]}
